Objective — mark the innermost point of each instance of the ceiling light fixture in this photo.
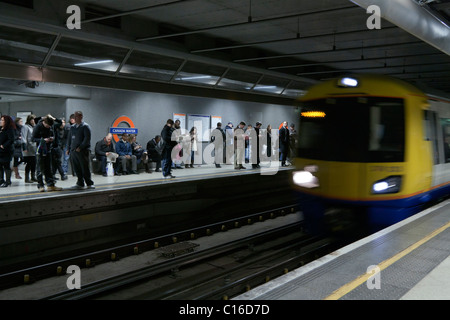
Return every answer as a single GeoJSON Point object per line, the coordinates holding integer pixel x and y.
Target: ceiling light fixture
{"type": "Point", "coordinates": [196, 78]}
{"type": "Point", "coordinates": [92, 62]}
{"type": "Point", "coordinates": [265, 87]}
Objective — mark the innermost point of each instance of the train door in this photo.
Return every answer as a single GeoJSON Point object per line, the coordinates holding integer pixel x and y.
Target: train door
{"type": "Point", "coordinates": [438, 132]}
{"type": "Point", "coordinates": [444, 164]}
{"type": "Point", "coordinates": [431, 120]}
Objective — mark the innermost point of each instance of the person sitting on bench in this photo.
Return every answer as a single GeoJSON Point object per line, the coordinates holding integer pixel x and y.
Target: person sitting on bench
{"type": "Point", "coordinates": [104, 152]}
{"type": "Point", "coordinates": [154, 149]}
{"type": "Point", "coordinates": [126, 157]}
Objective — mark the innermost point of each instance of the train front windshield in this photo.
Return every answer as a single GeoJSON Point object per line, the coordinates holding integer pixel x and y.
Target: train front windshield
{"type": "Point", "coordinates": [353, 129]}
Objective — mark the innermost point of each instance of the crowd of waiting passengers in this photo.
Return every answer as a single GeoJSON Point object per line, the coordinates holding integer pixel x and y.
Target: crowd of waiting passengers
{"type": "Point", "coordinates": [23, 143]}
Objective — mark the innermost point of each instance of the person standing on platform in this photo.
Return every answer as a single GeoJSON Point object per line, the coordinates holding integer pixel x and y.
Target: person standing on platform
{"type": "Point", "coordinates": [229, 143]}
{"type": "Point", "coordinates": [66, 157]}
{"type": "Point", "coordinates": [258, 160]}
{"type": "Point", "coordinates": [177, 135]}
{"type": "Point", "coordinates": [269, 141]}
{"type": "Point", "coordinates": [239, 146]}
{"type": "Point", "coordinates": [18, 147]}
{"type": "Point", "coordinates": [57, 149]}
{"type": "Point", "coordinates": [249, 134]}
{"type": "Point", "coordinates": [29, 154]}
{"type": "Point", "coordinates": [169, 144]}
{"type": "Point", "coordinates": [293, 137]}
{"type": "Point", "coordinates": [78, 145]}
{"type": "Point", "coordinates": [193, 146]}
{"type": "Point", "coordinates": [218, 138]}
{"type": "Point", "coordinates": [284, 143]}
{"type": "Point", "coordinates": [7, 127]}
{"type": "Point", "coordinates": [43, 135]}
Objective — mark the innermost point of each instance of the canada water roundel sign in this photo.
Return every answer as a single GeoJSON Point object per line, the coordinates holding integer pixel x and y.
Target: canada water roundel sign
{"type": "Point", "coordinates": [116, 130]}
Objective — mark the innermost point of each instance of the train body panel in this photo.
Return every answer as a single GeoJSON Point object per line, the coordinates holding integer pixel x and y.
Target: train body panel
{"type": "Point", "coordinates": [374, 144]}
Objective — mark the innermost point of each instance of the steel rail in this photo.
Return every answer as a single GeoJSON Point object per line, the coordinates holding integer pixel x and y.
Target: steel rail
{"type": "Point", "coordinates": [259, 277]}
{"type": "Point", "coordinates": [278, 253]}
{"type": "Point", "coordinates": [48, 269]}
{"type": "Point", "coordinates": [100, 287]}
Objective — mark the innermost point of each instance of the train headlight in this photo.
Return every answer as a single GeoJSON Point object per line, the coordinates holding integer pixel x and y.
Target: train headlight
{"type": "Point", "coordinates": [390, 184]}
{"type": "Point", "coordinates": [305, 179]}
{"type": "Point", "coordinates": [348, 82]}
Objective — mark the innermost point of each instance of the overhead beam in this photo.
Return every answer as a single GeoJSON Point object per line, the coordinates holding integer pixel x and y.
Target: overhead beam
{"type": "Point", "coordinates": [414, 19]}
{"type": "Point", "coordinates": [245, 45]}
{"type": "Point", "coordinates": [297, 54]}
{"type": "Point", "coordinates": [397, 66]}
{"type": "Point", "coordinates": [297, 37]}
{"type": "Point", "coordinates": [144, 47]}
{"type": "Point", "coordinates": [60, 77]}
{"type": "Point", "coordinates": [381, 58]}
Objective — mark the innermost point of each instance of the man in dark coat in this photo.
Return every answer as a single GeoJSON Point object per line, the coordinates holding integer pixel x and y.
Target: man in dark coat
{"type": "Point", "coordinates": [284, 143]}
{"type": "Point", "coordinates": [154, 151]}
{"type": "Point", "coordinates": [43, 135]}
{"type": "Point", "coordinates": [218, 138]}
{"type": "Point", "coordinates": [258, 160]}
{"type": "Point", "coordinates": [78, 146]}
{"type": "Point", "coordinates": [166, 135]}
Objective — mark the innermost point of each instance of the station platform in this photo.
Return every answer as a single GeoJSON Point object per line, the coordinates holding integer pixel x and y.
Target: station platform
{"type": "Point", "coordinates": [19, 190]}
{"type": "Point", "coordinates": [36, 226]}
{"type": "Point", "coordinates": [406, 261]}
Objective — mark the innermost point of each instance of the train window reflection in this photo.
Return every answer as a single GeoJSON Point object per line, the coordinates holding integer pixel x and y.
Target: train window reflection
{"type": "Point", "coordinates": [353, 130]}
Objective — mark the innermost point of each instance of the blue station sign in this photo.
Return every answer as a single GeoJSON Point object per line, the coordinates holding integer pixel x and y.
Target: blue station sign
{"type": "Point", "coordinates": [123, 130]}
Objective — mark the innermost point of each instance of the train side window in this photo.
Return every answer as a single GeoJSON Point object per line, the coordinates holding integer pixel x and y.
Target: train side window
{"type": "Point", "coordinates": [428, 136]}
{"type": "Point", "coordinates": [431, 133]}
{"type": "Point", "coordinates": [446, 134]}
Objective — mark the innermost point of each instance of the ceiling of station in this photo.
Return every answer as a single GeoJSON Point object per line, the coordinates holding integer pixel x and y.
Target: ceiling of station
{"type": "Point", "coordinates": [265, 47]}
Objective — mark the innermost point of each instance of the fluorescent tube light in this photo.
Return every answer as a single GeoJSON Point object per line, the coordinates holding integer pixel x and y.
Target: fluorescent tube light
{"type": "Point", "coordinates": [196, 78]}
{"type": "Point", "coordinates": [265, 87]}
{"type": "Point", "coordinates": [92, 62]}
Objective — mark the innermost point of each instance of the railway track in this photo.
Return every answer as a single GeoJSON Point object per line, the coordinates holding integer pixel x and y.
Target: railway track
{"type": "Point", "coordinates": [245, 272]}
{"type": "Point", "coordinates": [219, 272]}
{"type": "Point", "coordinates": [15, 275]}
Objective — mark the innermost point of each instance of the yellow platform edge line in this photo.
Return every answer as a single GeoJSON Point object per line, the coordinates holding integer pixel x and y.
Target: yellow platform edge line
{"type": "Point", "coordinates": [342, 291]}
